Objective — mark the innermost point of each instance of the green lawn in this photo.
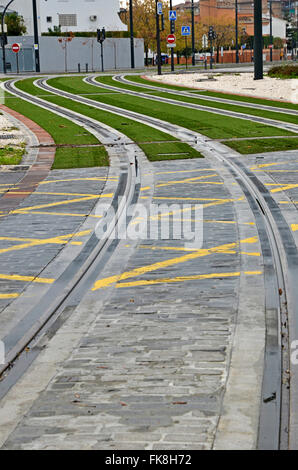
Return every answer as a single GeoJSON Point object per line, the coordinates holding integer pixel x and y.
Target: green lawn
{"type": "Point", "coordinates": [80, 157]}
{"type": "Point", "coordinates": [210, 124]}
{"type": "Point", "coordinates": [263, 145]}
{"type": "Point", "coordinates": [64, 132]}
{"type": "Point", "coordinates": [11, 155]}
{"type": "Point", "coordinates": [138, 132]}
{"type": "Point", "coordinates": [245, 99]}
{"type": "Point", "coordinates": [213, 104]}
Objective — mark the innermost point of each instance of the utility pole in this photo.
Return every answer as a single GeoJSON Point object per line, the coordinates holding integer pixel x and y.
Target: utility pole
{"type": "Point", "coordinates": [3, 36]}
{"type": "Point", "coordinates": [258, 40]}
{"type": "Point", "coordinates": [158, 39]}
{"type": "Point", "coordinates": [36, 41]}
{"type": "Point", "coordinates": [193, 32]}
{"type": "Point", "coordinates": [172, 23]}
{"type": "Point", "coordinates": [132, 47]}
{"type": "Point", "coordinates": [236, 31]}
{"type": "Point", "coordinates": [271, 38]}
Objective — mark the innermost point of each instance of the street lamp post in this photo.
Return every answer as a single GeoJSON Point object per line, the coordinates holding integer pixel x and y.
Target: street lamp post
{"type": "Point", "coordinates": [236, 31]}
{"type": "Point", "coordinates": [193, 32]}
{"type": "Point", "coordinates": [3, 39]}
{"type": "Point", "coordinates": [158, 39]}
{"type": "Point", "coordinates": [172, 32]}
{"type": "Point", "coordinates": [258, 40]}
{"type": "Point", "coordinates": [36, 41]}
{"type": "Point", "coordinates": [271, 38]}
{"type": "Point", "coordinates": [131, 35]}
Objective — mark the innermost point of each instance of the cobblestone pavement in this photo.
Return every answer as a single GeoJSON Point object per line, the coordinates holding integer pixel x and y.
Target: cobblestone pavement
{"type": "Point", "coordinates": [32, 235]}
{"type": "Point", "coordinates": [144, 360]}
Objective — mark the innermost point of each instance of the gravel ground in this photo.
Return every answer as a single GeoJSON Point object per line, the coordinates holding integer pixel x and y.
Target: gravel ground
{"type": "Point", "coordinates": [7, 128]}
{"type": "Point", "coordinates": [239, 83]}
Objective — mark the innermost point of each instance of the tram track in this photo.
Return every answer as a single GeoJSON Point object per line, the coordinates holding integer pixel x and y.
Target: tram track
{"type": "Point", "coordinates": [279, 416]}
{"type": "Point", "coordinates": [125, 81]}
{"type": "Point", "coordinates": [223, 112]}
{"type": "Point", "coordinates": [278, 410]}
{"type": "Point", "coordinates": [24, 341]}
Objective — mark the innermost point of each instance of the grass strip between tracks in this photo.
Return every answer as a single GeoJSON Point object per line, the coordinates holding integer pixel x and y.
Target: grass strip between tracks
{"type": "Point", "coordinates": [139, 133]}
{"type": "Point", "coordinates": [210, 124]}
{"type": "Point", "coordinates": [213, 104]}
{"type": "Point", "coordinates": [64, 132]}
{"type": "Point", "coordinates": [263, 145]}
{"type": "Point", "coordinates": [215, 94]}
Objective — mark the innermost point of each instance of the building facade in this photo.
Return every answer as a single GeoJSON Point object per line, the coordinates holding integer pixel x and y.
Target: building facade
{"type": "Point", "coordinates": [72, 15]}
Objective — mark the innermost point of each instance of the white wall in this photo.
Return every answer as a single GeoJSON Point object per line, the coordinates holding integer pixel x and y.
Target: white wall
{"type": "Point", "coordinates": [106, 12]}
{"type": "Point", "coordinates": [278, 28]}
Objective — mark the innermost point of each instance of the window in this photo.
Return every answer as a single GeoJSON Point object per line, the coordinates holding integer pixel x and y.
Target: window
{"type": "Point", "coordinates": [68, 20]}
{"type": "Point", "coordinates": [49, 19]}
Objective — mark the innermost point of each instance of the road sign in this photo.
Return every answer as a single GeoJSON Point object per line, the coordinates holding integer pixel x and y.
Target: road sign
{"type": "Point", "coordinates": [171, 38]}
{"type": "Point", "coordinates": [16, 48]}
{"type": "Point", "coordinates": [204, 41]}
{"type": "Point", "coordinates": [185, 31]}
{"type": "Point", "coordinates": [159, 8]}
{"type": "Point", "coordinates": [173, 15]}
{"type": "Point", "coordinates": [171, 45]}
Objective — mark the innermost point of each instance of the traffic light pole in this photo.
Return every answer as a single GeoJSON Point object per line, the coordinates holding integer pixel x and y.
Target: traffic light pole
{"type": "Point", "coordinates": [3, 38]}
{"type": "Point", "coordinates": [236, 32]}
{"type": "Point", "coordinates": [172, 23]}
{"type": "Point", "coordinates": [36, 41]}
{"type": "Point", "coordinates": [271, 38]}
{"type": "Point", "coordinates": [158, 40]}
{"type": "Point", "coordinates": [193, 32]}
{"type": "Point", "coordinates": [258, 40]}
{"type": "Point", "coordinates": [132, 48]}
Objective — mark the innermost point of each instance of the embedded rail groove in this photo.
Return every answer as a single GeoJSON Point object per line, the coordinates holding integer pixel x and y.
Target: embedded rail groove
{"type": "Point", "coordinates": [223, 112]}
{"type": "Point", "coordinates": [122, 79]}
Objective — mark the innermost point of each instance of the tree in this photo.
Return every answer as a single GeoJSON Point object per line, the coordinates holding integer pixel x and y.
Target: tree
{"type": "Point", "coordinates": [145, 23]}
{"type": "Point", "coordinates": [15, 24]}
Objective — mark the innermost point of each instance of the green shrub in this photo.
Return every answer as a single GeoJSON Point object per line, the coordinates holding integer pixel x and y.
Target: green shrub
{"type": "Point", "coordinates": [284, 71]}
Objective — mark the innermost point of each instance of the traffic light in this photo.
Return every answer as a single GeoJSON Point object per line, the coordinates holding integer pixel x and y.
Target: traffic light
{"type": "Point", "coordinates": [211, 33]}
{"type": "Point", "coordinates": [3, 39]}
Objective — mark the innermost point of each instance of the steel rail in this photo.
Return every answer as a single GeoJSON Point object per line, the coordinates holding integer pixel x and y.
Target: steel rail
{"type": "Point", "coordinates": [281, 296]}
{"type": "Point", "coordinates": [269, 122]}
{"type": "Point", "coordinates": [125, 81]}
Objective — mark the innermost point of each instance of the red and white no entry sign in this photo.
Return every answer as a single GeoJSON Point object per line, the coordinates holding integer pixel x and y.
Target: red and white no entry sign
{"type": "Point", "coordinates": [171, 38]}
{"type": "Point", "coordinates": [16, 48]}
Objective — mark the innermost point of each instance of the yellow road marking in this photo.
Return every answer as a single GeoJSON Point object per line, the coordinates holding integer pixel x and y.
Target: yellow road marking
{"type": "Point", "coordinates": [265, 165]}
{"type": "Point", "coordinates": [60, 203]}
{"type": "Point", "coordinates": [64, 214]}
{"type": "Point", "coordinates": [56, 194]}
{"type": "Point", "coordinates": [38, 242]}
{"type": "Point", "coordinates": [187, 180]}
{"type": "Point", "coordinates": [80, 179]}
{"type": "Point", "coordinates": [186, 278]}
{"type": "Point", "coordinates": [170, 262]}
{"type": "Point", "coordinates": [183, 171]}
{"type": "Point", "coordinates": [16, 277]}
{"type": "Point", "coordinates": [284, 188]}
{"type": "Point", "coordinates": [178, 248]}
{"type": "Point", "coordinates": [9, 296]}
{"type": "Point", "coordinates": [58, 242]}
